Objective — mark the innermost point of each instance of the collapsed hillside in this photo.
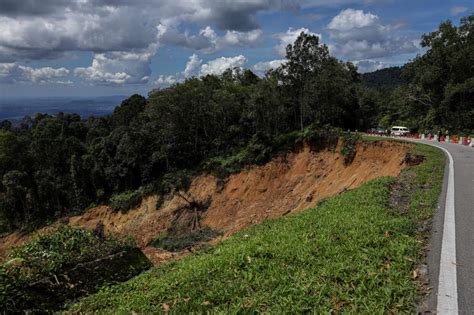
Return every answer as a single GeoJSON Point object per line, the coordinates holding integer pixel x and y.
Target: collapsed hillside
{"type": "Point", "coordinates": [291, 182]}
{"type": "Point", "coordinates": [354, 253]}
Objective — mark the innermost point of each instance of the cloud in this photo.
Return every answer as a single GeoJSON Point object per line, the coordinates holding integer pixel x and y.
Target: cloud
{"type": "Point", "coordinates": [246, 39]}
{"type": "Point", "coordinates": [219, 65]}
{"type": "Point", "coordinates": [364, 66]}
{"type": "Point", "coordinates": [349, 19]}
{"type": "Point", "coordinates": [262, 67]}
{"type": "Point", "coordinates": [240, 15]}
{"type": "Point", "coordinates": [358, 35]}
{"type": "Point", "coordinates": [193, 66]}
{"type": "Point", "coordinates": [31, 7]}
{"type": "Point", "coordinates": [63, 82]}
{"type": "Point", "coordinates": [40, 37]}
{"type": "Point", "coordinates": [458, 10]}
{"type": "Point", "coordinates": [118, 68]}
{"type": "Point", "coordinates": [124, 35]}
{"type": "Point", "coordinates": [33, 30]}
{"type": "Point", "coordinates": [121, 32]}
{"type": "Point", "coordinates": [313, 17]}
{"type": "Point", "coordinates": [306, 4]}
{"type": "Point", "coordinates": [15, 73]}
{"type": "Point", "coordinates": [207, 40]}
{"type": "Point", "coordinates": [290, 37]}
{"type": "Point", "coordinates": [166, 80]}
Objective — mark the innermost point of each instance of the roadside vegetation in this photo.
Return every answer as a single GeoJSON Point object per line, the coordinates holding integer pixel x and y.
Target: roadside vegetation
{"type": "Point", "coordinates": [357, 252]}
{"type": "Point", "coordinates": [32, 276]}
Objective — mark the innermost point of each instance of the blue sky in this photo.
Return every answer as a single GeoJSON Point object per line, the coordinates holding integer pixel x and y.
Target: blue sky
{"type": "Point", "coordinates": [111, 47]}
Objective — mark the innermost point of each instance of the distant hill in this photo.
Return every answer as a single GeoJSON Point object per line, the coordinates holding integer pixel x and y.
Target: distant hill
{"type": "Point", "coordinates": [388, 77]}
{"type": "Point", "coordinates": [15, 109]}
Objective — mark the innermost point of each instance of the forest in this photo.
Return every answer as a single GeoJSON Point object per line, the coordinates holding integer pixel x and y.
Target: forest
{"type": "Point", "coordinates": [53, 166]}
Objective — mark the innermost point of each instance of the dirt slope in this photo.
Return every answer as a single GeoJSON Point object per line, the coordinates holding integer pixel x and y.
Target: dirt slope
{"type": "Point", "coordinates": [288, 183]}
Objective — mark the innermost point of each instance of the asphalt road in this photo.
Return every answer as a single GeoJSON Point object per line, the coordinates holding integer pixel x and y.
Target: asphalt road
{"type": "Point", "coordinates": [451, 249]}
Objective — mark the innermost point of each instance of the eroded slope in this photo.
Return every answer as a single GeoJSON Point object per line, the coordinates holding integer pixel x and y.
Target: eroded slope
{"type": "Point", "coordinates": [288, 183]}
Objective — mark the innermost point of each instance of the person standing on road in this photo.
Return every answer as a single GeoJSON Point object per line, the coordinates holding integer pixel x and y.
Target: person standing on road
{"type": "Point", "coordinates": [439, 135]}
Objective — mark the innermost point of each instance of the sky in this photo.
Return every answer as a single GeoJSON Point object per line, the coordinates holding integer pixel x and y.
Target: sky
{"type": "Point", "coordinates": [121, 47]}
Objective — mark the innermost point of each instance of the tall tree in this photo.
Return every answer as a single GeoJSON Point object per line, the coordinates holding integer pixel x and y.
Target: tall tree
{"type": "Point", "coordinates": [305, 58]}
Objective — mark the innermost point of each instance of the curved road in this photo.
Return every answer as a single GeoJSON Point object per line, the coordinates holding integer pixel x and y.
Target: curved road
{"type": "Point", "coordinates": [451, 249]}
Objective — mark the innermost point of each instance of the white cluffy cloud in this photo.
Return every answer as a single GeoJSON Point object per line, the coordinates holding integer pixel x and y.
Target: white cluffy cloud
{"type": "Point", "coordinates": [358, 35]}
{"type": "Point", "coordinates": [118, 68]}
{"type": "Point", "coordinates": [364, 66]}
{"type": "Point", "coordinates": [120, 33]}
{"type": "Point", "coordinates": [262, 67]}
{"type": "Point", "coordinates": [31, 31]}
{"type": "Point", "coordinates": [219, 65]}
{"type": "Point", "coordinates": [195, 68]}
{"type": "Point", "coordinates": [15, 73]}
{"type": "Point", "coordinates": [133, 67]}
{"type": "Point", "coordinates": [458, 10]}
{"type": "Point", "coordinates": [290, 37]}
{"type": "Point", "coordinates": [207, 40]}
{"type": "Point", "coordinates": [166, 80]}
{"type": "Point", "coordinates": [124, 35]}
{"type": "Point", "coordinates": [243, 38]}
{"type": "Point", "coordinates": [352, 19]}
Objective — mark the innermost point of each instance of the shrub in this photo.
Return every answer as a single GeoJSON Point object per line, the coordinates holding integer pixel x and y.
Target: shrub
{"type": "Point", "coordinates": [47, 255]}
{"type": "Point", "coordinates": [126, 200]}
{"type": "Point", "coordinates": [177, 242]}
{"type": "Point", "coordinates": [174, 180]}
{"type": "Point", "coordinates": [348, 150]}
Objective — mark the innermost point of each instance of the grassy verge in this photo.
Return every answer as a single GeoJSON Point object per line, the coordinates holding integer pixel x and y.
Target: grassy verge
{"type": "Point", "coordinates": [353, 253]}
{"type": "Point", "coordinates": [368, 138]}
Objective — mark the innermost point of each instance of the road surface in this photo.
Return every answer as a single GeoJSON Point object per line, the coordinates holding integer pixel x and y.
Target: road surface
{"type": "Point", "coordinates": [451, 250]}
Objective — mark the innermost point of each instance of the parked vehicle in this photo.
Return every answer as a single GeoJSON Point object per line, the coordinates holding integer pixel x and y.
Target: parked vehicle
{"type": "Point", "coordinates": [399, 131]}
{"type": "Point", "coordinates": [380, 131]}
{"type": "Point", "coordinates": [377, 131]}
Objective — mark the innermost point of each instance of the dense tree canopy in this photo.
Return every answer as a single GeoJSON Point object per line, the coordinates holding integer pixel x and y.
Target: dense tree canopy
{"type": "Point", "coordinates": [438, 88]}
{"type": "Point", "coordinates": [384, 78]}
{"type": "Point", "coordinates": [442, 80]}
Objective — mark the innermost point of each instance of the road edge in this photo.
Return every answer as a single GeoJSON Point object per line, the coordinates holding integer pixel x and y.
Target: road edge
{"type": "Point", "coordinates": [446, 296]}
{"type": "Point", "coordinates": [441, 257]}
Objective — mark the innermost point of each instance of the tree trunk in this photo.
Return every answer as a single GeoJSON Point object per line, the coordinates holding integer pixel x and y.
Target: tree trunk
{"type": "Point", "coordinates": [301, 108]}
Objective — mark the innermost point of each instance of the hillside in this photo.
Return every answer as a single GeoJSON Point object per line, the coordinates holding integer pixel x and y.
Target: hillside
{"type": "Point", "coordinates": [384, 78]}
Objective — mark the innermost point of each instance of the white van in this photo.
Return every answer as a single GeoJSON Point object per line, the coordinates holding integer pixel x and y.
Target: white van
{"type": "Point", "coordinates": [399, 131]}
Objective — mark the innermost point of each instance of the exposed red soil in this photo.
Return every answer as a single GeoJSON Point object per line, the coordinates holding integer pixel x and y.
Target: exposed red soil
{"type": "Point", "coordinates": [289, 183]}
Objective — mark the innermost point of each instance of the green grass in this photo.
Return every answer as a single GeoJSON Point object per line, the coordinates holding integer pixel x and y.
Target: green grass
{"type": "Point", "coordinates": [352, 254]}
{"type": "Point", "coordinates": [367, 138]}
